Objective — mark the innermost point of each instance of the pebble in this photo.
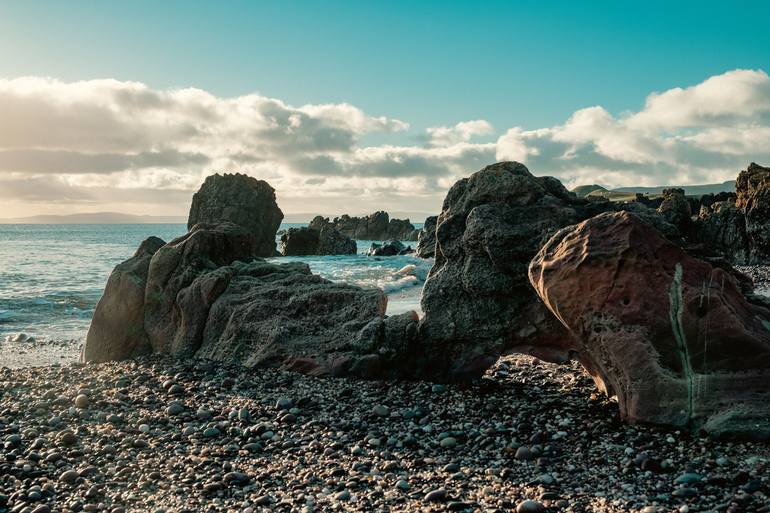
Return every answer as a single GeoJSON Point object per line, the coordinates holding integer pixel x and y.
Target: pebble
{"type": "Point", "coordinates": [530, 506]}
{"type": "Point", "coordinates": [381, 410]}
{"type": "Point", "coordinates": [437, 495]}
{"type": "Point", "coordinates": [81, 401]}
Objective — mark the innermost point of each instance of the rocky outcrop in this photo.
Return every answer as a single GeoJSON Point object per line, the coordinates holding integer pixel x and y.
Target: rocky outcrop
{"type": "Point", "coordinates": [477, 301]}
{"type": "Point", "coordinates": [316, 240]}
{"type": "Point", "coordinates": [426, 240]}
{"type": "Point", "coordinates": [377, 226]}
{"type": "Point", "coordinates": [753, 198]}
{"type": "Point", "coordinates": [242, 200]}
{"type": "Point", "coordinates": [117, 327]}
{"type": "Point", "coordinates": [670, 335]}
{"type": "Point", "coordinates": [205, 294]}
{"type": "Point", "coordinates": [389, 248]}
{"type": "Point", "coordinates": [722, 228]}
{"type": "Point", "coordinates": [676, 210]}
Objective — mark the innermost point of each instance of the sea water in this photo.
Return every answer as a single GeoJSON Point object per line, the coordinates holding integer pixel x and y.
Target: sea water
{"type": "Point", "coordinates": [52, 276]}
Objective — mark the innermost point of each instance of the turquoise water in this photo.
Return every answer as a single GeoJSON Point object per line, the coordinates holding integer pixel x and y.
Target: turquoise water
{"type": "Point", "coordinates": [51, 276]}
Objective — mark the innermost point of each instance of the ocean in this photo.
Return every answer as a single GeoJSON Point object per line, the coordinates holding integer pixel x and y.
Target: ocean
{"type": "Point", "coordinates": [52, 276]}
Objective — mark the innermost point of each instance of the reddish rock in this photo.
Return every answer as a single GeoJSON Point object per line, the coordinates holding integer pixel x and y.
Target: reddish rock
{"type": "Point", "coordinates": [670, 335]}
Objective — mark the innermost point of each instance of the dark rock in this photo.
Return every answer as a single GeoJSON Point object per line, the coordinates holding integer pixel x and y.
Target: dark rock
{"type": "Point", "coordinates": [387, 248]}
{"type": "Point", "coordinates": [117, 328]}
{"type": "Point", "coordinates": [722, 228]}
{"type": "Point", "coordinates": [426, 240]}
{"type": "Point", "coordinates": [676, 210]}
{"type": "Point", "coordinates": [241, 200]}
{"type": "Point", "coordinates": [752, 188]}
{"type": "Point", "coordinates": [377, 226]}
{"type": "Point", "coordinates": [316, 240]}
{"type": "Point", "coordinates": [670, 335]}
{"type": "Point", "coordinates": [477, 300]}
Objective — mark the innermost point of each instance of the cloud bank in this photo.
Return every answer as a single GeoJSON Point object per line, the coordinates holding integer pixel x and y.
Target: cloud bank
{"type": "Point", "coordinates": [112, 145]}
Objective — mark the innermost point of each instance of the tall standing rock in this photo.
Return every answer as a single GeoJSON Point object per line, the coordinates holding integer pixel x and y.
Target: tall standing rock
{"type": "Point", "coordinates": [426, 240]}
{"type": "Point", "coordinates": [477, 301]}
{"type": "Point", "coordinates": [672, 336]}
{"type": "Point", "coordinates": [242, 200]}
{"type": "Point", "coordinates": [752, 188]}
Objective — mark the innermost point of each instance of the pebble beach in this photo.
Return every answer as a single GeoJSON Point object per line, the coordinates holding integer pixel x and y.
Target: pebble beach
{"type": "Point", "coordinates": [165, 435]}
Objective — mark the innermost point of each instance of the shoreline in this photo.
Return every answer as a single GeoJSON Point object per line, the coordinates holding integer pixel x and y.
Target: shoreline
{"type": "Point", "coordinates": [165, 434]}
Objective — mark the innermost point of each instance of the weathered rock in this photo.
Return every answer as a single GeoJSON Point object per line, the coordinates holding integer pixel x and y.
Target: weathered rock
{"type": "Point", "coordinates": [672, 336]}
{"type": "Point", "coordinates": [175, 297]}
{"type": "Point", "coordinates": [752, 188]}
{"type": "Point", "coordinates": [477, 300]}
{"type": "Point", "coordinates": [205, 294]}
{"type": "Point", "coordinates": [377, 226]}
{"type": "Point", "coordinates": [316, 239]}
{"type": "Point", "coordinates": [722, 228]}
{"type": "Point", "coordinates": [676, 210]}
{"type": "Point", "coordinates": [117, 328]}
{"type": "Point", "coordinates": [242, 200]}
{"type": "Point", "coordinates": [426, 240]}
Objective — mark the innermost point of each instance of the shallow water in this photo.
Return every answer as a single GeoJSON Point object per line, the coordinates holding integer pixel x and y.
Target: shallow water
{"type": "Point", "coordinates": [51, 277]}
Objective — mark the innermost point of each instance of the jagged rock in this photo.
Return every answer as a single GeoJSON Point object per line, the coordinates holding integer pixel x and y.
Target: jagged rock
{"type": "Point", "coordinates": [316, 239]}
{"type": "Point", "coordinates": [242, 200]}
{"type": "Point", "coordinates": [388, 248]}
{"type": "Point", "coordinates": [171, 300]}
{"type": "Point", "coordinates": [205, 294]}
{"type": "Point", "coordinates": [117, 327]}
{"type": "Point", "coordinates": [477, 301]}
{"type": "Point", "coordinates": [426, 240]}
{"type": "Point", "coordinates": [675, 208]}
{"type": "Point", "coordinates": [672, 336]}
{"type": "Point", "coordinates": [722, 228]}
{"type": "Point", "coordinates": [377, 226]}
{"type": "Point", "coordinates": [752, 189]}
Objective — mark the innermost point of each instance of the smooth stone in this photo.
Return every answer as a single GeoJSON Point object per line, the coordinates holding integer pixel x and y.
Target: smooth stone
{"type": "Point", "coordinates": [69, 477]}
{"type": "Point", "coordinates": [448, 442]}
{"type": "Point", "coordinates": [81, 401]}
{"type": "Point", "coordinates": [530, 506]}
{"type": "Point", "coordinates": [381, 410]}
{"type": "Point", "coordinates": [438, 495]}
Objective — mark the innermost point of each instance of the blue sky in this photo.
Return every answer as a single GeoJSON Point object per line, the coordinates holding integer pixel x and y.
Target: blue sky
{"type": "Point", "coordinates": [430, 62]}
{"type": "Point", "coordinates": [350, 105]}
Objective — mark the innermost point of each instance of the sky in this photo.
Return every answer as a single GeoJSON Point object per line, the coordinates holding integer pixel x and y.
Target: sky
{"type": "Point", "coordinates": [351, 107]}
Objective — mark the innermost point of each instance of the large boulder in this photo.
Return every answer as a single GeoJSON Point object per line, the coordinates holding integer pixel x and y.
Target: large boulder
{"type": "Point", "coordinates": [389, 248]}
{"type": "Point", "coordinates": [242, 200]}
{"type": "Point", "coordinates": [477, 300]}
{"type": "Point", "coordinates": [117, 327]}
{"type": "Point", "coordinates": [670, 335]}
{"type": "Point", "coordinates": [317, 239]}
{"type": "Point", "coordinates": [752, 189]}
{"type": "Point", "coordinates": [722, 228]}
{"type": "Point", "coordinates": [426, 240]}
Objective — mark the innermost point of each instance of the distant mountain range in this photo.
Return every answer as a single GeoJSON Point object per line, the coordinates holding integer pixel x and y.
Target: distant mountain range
{"type": "Point", "coordinates": [689, 190]}
{"type": "Point", "coordinates": [119, 218]}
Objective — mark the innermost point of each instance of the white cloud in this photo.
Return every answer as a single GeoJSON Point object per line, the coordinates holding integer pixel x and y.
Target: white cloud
{"type": "Point", "coordinates": [92, 144]}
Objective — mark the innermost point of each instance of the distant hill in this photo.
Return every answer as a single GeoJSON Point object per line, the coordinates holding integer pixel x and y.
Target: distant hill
{"type": "Point", "coordinates": [584, 190]}
{"type": "Point", "coordinates": [628, 193]}
{"type": "Point", "coordinates": [95, 218]}
{"type": "Point", "coordinates": [689, 190]}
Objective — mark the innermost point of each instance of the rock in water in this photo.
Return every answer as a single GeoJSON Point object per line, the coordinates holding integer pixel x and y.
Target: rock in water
{"type": "Point", "coordinates": [377, 226]}
{"type": "Point", "coordinates": [316, 239]}
{"type": "Point", "coordinates": [426, 240]}
{"type": "Point", "coordinates": [670, 335]}
{"type": "Point", "coordinates": [387, 248]}
{"type": "Point", "coordinates": [477, 300]}
{"type": "Point", "coordinates": [117, 328]}
{"type": "Point", "coordinates": [242, 200]}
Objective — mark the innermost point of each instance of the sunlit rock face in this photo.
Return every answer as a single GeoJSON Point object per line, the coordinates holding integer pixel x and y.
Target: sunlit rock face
{"type": "Point", "coordinates": [672, 336]}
